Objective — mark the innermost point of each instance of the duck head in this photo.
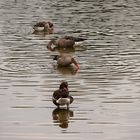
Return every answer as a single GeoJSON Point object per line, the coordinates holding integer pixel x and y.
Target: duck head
{"type": "Point", "coordinates": [49, 45]}
{"type": "Point", "coordinates": [48, 27]}
{"type": "Point", "coordinates": [64, 85]}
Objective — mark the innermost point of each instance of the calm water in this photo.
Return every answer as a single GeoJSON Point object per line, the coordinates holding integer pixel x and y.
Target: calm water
{"type": "Point", "coordinates": [106, 89]}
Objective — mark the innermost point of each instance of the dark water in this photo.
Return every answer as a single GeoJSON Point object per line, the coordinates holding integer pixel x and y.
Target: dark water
{"type": "Point", "coordinates": [106, 89]}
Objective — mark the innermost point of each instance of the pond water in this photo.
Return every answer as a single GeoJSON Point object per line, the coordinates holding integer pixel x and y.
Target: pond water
{"type": "Point", "coordinates": [106, 89]}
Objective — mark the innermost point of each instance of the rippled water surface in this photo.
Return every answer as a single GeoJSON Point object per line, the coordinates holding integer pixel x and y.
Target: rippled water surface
{"type": "Point", "coordinates": [106, 89]}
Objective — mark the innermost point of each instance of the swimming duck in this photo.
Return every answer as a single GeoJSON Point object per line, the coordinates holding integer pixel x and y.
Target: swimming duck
{"type": "Point", "coordinates": [65, 42]}
{"type": "Point", "coordinates": [46, 27]}
{"type": "Point", "coordinates": [65, 60]}
{"type": "Point", "coordinates": [61, 96]}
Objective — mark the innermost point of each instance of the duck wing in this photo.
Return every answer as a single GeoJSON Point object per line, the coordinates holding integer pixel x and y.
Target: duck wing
{"type": "Point", "coordinates": [61, 93]}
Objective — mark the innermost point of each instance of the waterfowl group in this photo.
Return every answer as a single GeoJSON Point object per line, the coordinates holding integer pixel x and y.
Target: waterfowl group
{"type": "Point", "coordinates": [61, 96]}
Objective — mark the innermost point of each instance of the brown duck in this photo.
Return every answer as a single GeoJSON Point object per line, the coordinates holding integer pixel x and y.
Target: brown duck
{"type": "Point", "coordinates": [65, 60]}
{"type": "Point", "coordinates": [65, 42]}
{"type": "Point", "coordinates": [47, 27]}
{"type": "Point", "coordinates": [61, 96]}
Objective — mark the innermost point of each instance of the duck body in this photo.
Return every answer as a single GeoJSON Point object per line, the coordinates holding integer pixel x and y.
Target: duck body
{"type": "Point", "coordinates": [61, 96]}
{"type": "Point", "coordinates": [46, 27]}
{"type": "Point", "coordinates": [65, 60]}
{"type": "Point", "coordinates": [64, 42]}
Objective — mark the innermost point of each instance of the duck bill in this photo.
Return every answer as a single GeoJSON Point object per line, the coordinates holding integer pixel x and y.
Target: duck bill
{"type": "Point", "coordinates": [78, 66]}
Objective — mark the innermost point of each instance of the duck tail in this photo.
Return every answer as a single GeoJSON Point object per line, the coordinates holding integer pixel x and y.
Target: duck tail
{"type": "Point", "coordinates": [71, 99]}
{"type": "Point", "coordinates": [78, 39]}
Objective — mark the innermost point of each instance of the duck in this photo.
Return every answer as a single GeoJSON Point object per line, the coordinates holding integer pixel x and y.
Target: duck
{"type": "Point", "coordinates": [43, 26]}
{"type": "Point", "coordinates": [61, 96]}
{"type": "Point", "coordinates": [64, 42]}
{"type": "Point", "coordinates": [65, 60]}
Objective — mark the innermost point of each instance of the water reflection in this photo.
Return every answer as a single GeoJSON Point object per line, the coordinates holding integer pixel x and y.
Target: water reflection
{"type": "Point", "coordinates": [41, 33]}
{"type": "Point", "coordinates": [69, 70]}
{"type": "Point", "coordinates": [62, 117]}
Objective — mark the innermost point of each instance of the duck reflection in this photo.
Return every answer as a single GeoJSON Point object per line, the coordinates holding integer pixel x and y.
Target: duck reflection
{"type": "Point", "coordinates": [69, 70]}
{"type": "Point", "coordinates": [62, 117]}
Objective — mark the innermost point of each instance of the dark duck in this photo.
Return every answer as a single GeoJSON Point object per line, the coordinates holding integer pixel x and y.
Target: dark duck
{"type": "Point", "coordinates": [61, 96]}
